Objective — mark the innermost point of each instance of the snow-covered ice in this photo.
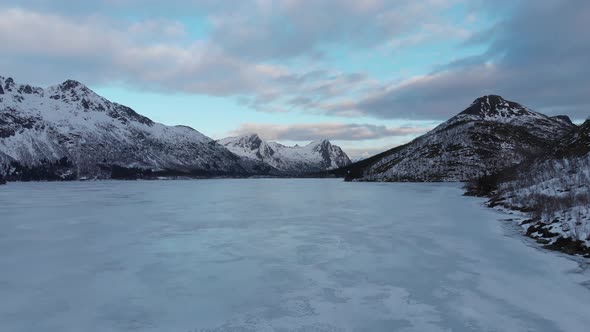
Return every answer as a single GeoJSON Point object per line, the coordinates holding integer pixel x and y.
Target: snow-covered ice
{"type": "Point", "coordinates": [274, 255]}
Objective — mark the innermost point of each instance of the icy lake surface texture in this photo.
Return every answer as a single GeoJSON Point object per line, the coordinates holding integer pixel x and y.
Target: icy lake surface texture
{"type": "Point", "coordinates": [274, 255]}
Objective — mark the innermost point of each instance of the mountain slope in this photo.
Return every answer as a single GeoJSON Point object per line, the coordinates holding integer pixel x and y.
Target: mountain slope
{"type": "Point", "coordinates": [555, 191]}
{"type": "Point", "coordinates": [68, 131]}
{"type": "Point", "coordinates": [490, 135]}
{"type": "Point", "coordinates": [576, 144]}
{"type": "Point", "coordinates": [314, 157]}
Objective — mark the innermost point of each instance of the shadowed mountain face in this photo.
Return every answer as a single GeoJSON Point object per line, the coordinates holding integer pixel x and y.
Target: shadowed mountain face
{"type": "Point", "coordinates": [576, 144]}
{"type": "Point", "coordinates": [490, 135]}
{"type": "Point", "coordinates": [315, 157]}
{"type": "Point", "coordinates": [68, 131]}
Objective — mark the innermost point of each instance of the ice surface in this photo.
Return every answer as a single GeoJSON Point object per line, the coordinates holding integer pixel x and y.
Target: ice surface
{"type": "Point", "coordinates": [273, 255]}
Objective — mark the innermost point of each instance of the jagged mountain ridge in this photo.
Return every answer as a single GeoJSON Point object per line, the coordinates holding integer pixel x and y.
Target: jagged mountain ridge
{"type": "Point", "coordinates": [70, 126]}
{"type": "Point", "coordinates": [490, 135]}
{"type": "Point", "coordinates": [317, 156]}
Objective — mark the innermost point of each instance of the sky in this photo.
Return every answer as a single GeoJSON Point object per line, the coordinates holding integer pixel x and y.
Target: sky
{"type": "Point", "coordinates": [366, 74]}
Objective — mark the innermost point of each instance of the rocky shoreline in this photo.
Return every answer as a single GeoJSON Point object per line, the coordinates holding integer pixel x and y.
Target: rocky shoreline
{"type": "Point", "coordinates": [549, 234]}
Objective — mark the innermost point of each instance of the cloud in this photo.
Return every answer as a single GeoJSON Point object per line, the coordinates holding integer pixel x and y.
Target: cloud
{"type": "Point", "coordinates": [288, 28]}
{"type": "Point", "coordinates": [44, 46]}
{"type": "Point", "coordinates": [538, 56]}
{"type": "Point", "coordinates": [271, 29]}
{"type": "Point", "coordinates": [49, 48]}
{"type": "Point", "coordinates": [333, 131]}
{"type": "Point", "coordinates": [243, 53]}
{"type": "Point", "coordinates": [270, 54]}
{"type": "Point", "coordinates": [434, 96]}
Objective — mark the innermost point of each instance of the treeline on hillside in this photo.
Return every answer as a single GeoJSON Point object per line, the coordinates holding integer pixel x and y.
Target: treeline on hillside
{"type": "Point", "coordinates": [58, 170]}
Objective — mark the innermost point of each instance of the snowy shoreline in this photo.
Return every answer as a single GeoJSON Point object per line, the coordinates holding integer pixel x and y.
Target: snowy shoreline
{"type": "Point", "coordinates": [549, 235]}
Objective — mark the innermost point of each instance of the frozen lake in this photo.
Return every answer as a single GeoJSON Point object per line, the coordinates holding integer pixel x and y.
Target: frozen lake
{"type": "Point", "coordinates": [273, 255]}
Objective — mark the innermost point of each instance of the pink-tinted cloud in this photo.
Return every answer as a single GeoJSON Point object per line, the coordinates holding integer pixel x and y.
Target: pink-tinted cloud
{"type": "Point", "coordinates": [333, 131]}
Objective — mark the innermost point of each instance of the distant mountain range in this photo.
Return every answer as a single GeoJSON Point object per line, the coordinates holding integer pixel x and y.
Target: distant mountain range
{"type": "Point", "coordinates": [315, 157]}
{"type": "Point", "coordinates": [68, 132]}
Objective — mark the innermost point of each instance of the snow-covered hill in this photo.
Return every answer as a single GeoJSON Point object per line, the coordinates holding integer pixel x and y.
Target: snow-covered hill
{"type": "Point", "coordinates": [490, 135]}
{"type": "Point", "coordinates": [555, 191]}
{"type": "Point", "coordinates": [68, 131]}
{"type": "Point", "coordinates": [316, 156]}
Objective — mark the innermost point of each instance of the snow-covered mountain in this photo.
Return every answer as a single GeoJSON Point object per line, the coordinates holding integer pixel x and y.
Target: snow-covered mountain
{"type": "Point", "coordinates": [315, 157]}
{"type": "Point", "coordinates": [490, 135]}
{"type": "Point", "coordinates": [68, 131]}
{"type": "Point", "coordinates": [555, 191]}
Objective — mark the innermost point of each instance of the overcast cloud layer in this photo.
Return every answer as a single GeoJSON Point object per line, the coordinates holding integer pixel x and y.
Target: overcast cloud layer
{"type": "Point", "coordinates": [271, 55]}
{"type": "Point", "coordinates": [539, 57]}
